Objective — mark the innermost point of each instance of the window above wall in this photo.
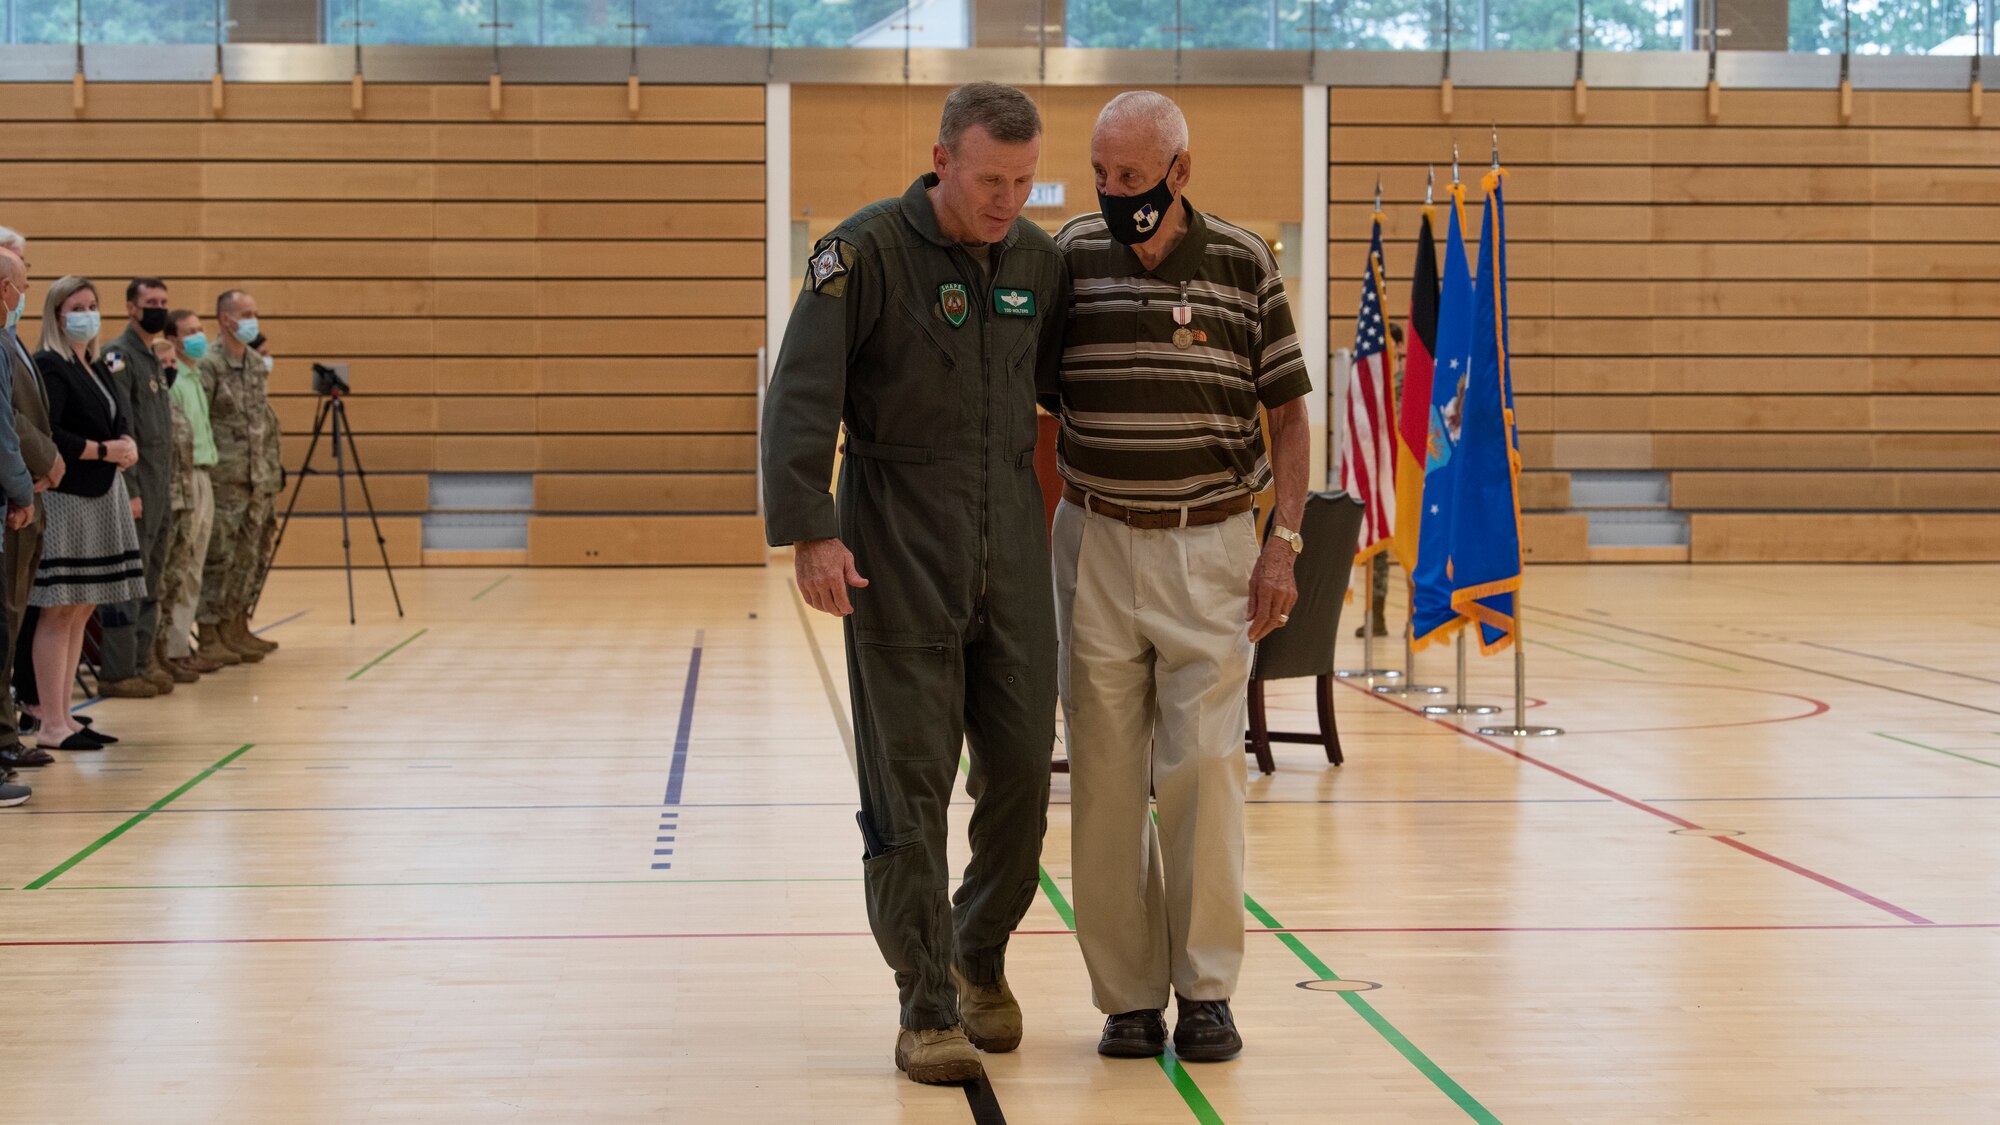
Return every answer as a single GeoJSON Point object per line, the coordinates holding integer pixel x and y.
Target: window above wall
{"type": "Point", "coordinates": [1920, 27]}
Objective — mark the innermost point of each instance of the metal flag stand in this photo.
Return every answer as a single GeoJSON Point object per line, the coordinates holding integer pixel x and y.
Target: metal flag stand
{"type": "Point", "coordinates": [1368, 671]}
{"type": "Point", "coordinates": [1520, 729]}
{"type": "Point", "coordinates": [1460, 706]}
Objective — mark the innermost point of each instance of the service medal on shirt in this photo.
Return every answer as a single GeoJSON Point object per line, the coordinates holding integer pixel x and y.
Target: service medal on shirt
{"type": "Point", "coordinates": [1183, 338]}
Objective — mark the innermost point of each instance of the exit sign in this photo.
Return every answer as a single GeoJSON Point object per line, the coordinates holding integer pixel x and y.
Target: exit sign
{"type": "Point", "coordinates": [1045, 195]}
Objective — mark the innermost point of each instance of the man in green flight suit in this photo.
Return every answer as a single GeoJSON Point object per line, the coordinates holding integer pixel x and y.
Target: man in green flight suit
{"type": "Point", "coordinates": [927, 326]}
{"type": "Point", "coordinates": [127, 668]}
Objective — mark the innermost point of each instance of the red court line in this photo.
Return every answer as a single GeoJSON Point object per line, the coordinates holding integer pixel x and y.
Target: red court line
{"type": "Point", "coordinates": [1824, 880]}
{"type": "Point", "coordinates": [415, 939]}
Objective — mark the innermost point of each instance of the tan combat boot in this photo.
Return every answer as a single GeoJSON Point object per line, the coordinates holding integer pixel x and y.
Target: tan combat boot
{"type": "Point", "coordinates": [250, 653]}
{"type": "Point", "coordinates": [164, 663]}
{"type": "Point", "coordinates": [209, 642]}
{"type": "Point", "coordinates": [161, 679]}
{"type": "Point", "coordinates": [243, 640]}
{"type": "Point", "coordinates": [938, 1057]}
{"type": "Point", "coordinates": [134, 688]}
{"type": "Point", "coordinates": [991, 1015]}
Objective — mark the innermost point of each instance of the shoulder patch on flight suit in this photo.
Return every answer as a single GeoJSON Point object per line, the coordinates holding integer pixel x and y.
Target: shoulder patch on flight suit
{"type": "Point", "coordinates": [828, 268]}
{"type": "Point", "coordinates": [114, 362]}
{"type": "Point", "coordinates": [954, 301]}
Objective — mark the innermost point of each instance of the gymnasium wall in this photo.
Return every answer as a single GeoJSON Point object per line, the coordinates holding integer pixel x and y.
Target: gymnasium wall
{"type": "Point", "coordinates": [852, 145]}
{"type": "Point", "coordinates": [1791, 317]}
{"type": "Point", "coordinates": [562, 288]}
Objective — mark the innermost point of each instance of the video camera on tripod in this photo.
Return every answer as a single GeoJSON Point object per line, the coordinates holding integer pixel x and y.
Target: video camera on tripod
{"type": "Point", "coordinates": [330, 383]}
{"type": "Point", "coordinates": [330, 380]}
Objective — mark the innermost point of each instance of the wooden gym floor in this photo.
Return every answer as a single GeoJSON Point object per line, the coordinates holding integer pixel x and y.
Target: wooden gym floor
{"type": "Point", "coordinates": [567, 846]}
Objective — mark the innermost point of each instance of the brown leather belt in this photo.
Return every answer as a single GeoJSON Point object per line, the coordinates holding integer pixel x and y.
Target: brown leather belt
{"type": "Point", "coordinates": [1159, 519]}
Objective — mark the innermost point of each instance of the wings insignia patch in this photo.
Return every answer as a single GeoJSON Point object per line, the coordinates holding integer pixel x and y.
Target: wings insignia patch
{"type": "Point", "coordinates": [828, 269]}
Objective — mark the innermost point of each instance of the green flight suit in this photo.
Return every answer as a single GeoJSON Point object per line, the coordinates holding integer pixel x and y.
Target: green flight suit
{"type": "Point", "coordinates": [125, 645]}
{"type": "Point", "coordinates": [933, 368]}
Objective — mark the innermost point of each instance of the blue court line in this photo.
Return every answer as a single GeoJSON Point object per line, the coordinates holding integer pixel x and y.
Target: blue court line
{"type": "Point", "coordinates": [280, 621]}
{"type": "Point", "coordinates": [678, 773]}
{"type": "Point", "coordinates": [687, 724]}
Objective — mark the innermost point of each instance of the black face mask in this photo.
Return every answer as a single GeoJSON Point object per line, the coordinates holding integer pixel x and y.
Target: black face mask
{"type": "Point", "coordinates": [153, 321]}
{"type": "Point", "coordinates": [1133, 219]}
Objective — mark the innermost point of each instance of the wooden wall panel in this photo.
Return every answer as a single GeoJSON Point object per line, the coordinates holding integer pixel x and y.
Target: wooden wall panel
{"type": "Point", "coordinates": [643, 540]}
{"type": "Point", "coordinates": [852, 145]}
{"type": "Point", "coordinates": [1786, 311]}
{"type": "Point", "coordinates": [562, 267]}
{"type": "Point", "coordinates": [315, 541]}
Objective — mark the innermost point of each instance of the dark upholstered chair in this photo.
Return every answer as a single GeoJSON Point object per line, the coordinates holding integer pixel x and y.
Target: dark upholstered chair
{"type": "Point", "coordinates": [1304, 647]}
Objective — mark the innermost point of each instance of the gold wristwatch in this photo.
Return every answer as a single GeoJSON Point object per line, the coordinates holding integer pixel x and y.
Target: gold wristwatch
{"type": "Point", "coordinates": [1297, 541]}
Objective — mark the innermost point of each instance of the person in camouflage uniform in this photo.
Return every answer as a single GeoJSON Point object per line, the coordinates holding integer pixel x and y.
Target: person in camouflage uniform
{"type": "Point", "coordinates": [193, 503]}
{"type": "Point", "coordinates": [246, 479]}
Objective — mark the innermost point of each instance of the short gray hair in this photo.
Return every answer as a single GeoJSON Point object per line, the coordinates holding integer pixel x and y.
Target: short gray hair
{"type": "Point", "coordinates": [1008, 115]}
{"type": "Point", "coordinates": [1152, 112]}
{"type": "Point", "coordinates": [10, 239]}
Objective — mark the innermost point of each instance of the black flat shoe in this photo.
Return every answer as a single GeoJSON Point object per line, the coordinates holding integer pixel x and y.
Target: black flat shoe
{"type": "Point", "coordinates": [1134, 1035]}
{"type": "Point", "coordinates": [81, 740]}
{"type": "Point", "coordinates": [1206, 1031]}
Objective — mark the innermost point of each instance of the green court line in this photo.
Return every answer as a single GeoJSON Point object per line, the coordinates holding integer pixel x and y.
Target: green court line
{"type": "Point", "coordinates": [491, 588]}
{"type": "Point", "coordinates": [1547, 624]}
{"type": "Point", "coordinates": [387, 655]}
{"type": "Point", "coordinates": [1184, 1083]}
{"type": "Point", "coordinates": [1376, 1020]}
{"type": "Point", "coordinates": [1601, 660]}
{"type": "Point", "coordinates": [156, 806]}
{"type": "Point", "coordinates": [1936, 749]}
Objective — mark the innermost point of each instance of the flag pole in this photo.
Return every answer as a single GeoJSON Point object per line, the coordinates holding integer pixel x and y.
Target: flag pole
{"type": "Point", "coordinates": [1409, 684]}
{"type": "Point", "coordinates": [1368, 671]}
{"type": "Point", "coordinates": [1460, 706]}
{"type": "Point", "coordinates": [1520, 729]}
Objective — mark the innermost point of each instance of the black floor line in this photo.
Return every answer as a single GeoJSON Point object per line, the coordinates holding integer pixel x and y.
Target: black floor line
{"type": "Point", "coordinates": [1610, 624]}
{"type": "Point", "coordinates": [985, 1106]}
{"type": "Point", "coordinates": [1904, 663]}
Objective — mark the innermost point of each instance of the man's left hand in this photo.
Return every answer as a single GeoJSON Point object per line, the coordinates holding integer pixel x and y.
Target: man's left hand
{"type": "Point", "coordinates": [18, 518]}
{"type": "Point", "coordinates": [1273, 589]}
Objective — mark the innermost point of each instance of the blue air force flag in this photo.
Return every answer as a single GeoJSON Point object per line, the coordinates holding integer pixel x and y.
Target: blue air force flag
{"type": "Point", "coordinates": [1486, 508]}
{"type": "Point", "coordinates": [1431, 612]}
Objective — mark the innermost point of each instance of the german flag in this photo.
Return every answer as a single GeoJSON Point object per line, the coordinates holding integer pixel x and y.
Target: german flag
{"type": "Point", "coordinates": [1414, 413]}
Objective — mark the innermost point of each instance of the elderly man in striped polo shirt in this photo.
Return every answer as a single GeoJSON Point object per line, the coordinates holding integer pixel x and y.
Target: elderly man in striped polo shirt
{"type": "Point", "coordinates": [1178, 333]}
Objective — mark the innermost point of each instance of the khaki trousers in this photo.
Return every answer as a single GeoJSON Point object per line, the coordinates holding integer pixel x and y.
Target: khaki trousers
{"type": "Point", "coordinates": [185, 559]}
{"type": "Point", "coordinates": [1153, 672]}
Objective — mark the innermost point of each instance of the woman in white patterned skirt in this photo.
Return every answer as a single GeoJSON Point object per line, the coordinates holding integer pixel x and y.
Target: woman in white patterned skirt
{"type": "Point", "coordinates": [90, 551]}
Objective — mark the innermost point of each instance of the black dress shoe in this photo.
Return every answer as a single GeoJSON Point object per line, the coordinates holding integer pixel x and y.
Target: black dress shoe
{"type": "Point", "coordinates": [24, 757]}
{"type": "Point", "coordinates": [81, 740]}
{"type": "Point", "coordinates": [1206, 1032]}
{"type": "Point", "coordinates": [1134, 1035]}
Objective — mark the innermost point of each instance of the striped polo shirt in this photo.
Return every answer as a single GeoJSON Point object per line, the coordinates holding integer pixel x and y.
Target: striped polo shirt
{"type": "Point", "coordinates": [1145, 422]}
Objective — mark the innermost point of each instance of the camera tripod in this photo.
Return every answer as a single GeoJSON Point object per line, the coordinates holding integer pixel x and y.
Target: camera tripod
{"type": "Point", "coordinates": [332, 416]}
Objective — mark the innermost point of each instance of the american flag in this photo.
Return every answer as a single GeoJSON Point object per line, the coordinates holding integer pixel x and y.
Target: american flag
{"type": "Point", "coordinates": [1368, 471]}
